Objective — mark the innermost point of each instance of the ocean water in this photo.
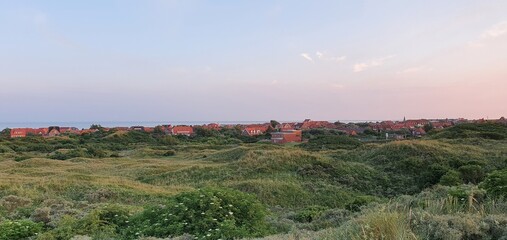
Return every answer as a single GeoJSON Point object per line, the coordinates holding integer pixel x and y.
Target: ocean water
{"type": "Point", "coordinates": [85, 125]}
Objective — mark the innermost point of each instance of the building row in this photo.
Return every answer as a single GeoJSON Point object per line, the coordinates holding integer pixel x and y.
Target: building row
{"type": "Point", "coordinates": [280, 133]}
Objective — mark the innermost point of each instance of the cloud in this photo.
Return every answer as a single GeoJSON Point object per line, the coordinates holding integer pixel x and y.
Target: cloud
{"type": "Point", "coordinates": [337, 86]}
{"type": "Point", "coordinates": [325, 57]}
{"type": "Point", "coordinates": [322, 57]}
{"type": "Point", "coordinates": [414, 70]}
{"type": "Point", "coordinates": [495, 31]}
{"type": "Point", "coordinates": [359, 67]}
{"type": "Point", "coordinates": [307, 57]}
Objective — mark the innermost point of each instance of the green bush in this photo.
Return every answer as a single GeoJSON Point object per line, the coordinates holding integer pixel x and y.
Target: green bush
{"type": "Point", "coordinates": [207, 213]}
{"type": "Point", "coordinates": [101, 223]}
{"type": "Point", "coordinates": [495, 184]}
{"type": "Point", "coordinates": [22, 229]}
{"type": "Point", "coordinates": [331, 142]}
{"type": "Point", "coordinates": [169, 153]}
{"type": "Point", "coordinates": [451, 178]}
{"type": "Point", "coordinates": [310, 213]}
{"type": "Point", "coordinates": [472, 173]}
{"type": "Point", "coordinates": [494, 131]}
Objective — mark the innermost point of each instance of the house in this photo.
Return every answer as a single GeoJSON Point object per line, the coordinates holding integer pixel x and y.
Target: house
{"type": "Point", "coordinates": [69, 130]}
{"type": "Point", "coordinates": [309, 124]}
{"type": "Point", "coordinates": [349, 132]}
{"type": "Point", "coordinates": [418, 132]}
{"type": "Point", "coordinates": [54, 131]}
{"type": "Point", "coordinates": [166, 129]}
{"type": "Point", "coordinates": [182, 130]}
{"type": "Point", "coordinates": [416, 123]}
{"type": "Point", "coordinates": [40, 131]}
{"type": "Point", "coordinates": [287, 126]}
{"type": "Point", "coordinates": [19, 132]}
{"type": "Point", "coordinates": [24, 132]}
{"type": "Point", "coordinates": [137, 128]}
{"type": "Point", "coordinates": [286, 136]}
{"type": "Point", "coordinates": [88, 131]}
{"type": "Point", "coordinates": [441, 125]}
{"type": "Point", "coordinates": [502, 120]}
{"type": "Point", "coordinates": [211, 126]}
{"type": "Point", "coordinates": [254, 130]}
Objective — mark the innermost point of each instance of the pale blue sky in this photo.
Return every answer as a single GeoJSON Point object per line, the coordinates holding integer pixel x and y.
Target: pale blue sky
{"type": "Point", "coordinates": [251, 60]}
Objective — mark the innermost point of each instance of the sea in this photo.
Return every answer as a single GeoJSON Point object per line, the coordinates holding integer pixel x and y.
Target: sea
{"type": "Point", "coordinates": [87, 124]}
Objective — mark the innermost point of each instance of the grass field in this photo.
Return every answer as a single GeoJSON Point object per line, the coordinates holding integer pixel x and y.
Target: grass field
{"type": "Point", "coordinates": [393, 190]}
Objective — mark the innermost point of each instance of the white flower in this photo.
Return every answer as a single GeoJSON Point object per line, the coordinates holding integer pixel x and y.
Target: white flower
{"type": "Point", "coordinates": [208, 235]}
{"type": "Point", "coordinates": [202, 213]}
{"type": "Point", "coordinates": [230, 213]}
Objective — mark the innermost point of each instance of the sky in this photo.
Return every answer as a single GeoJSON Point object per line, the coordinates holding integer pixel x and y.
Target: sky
{"type": "Point", "coordinates": [224, 60]}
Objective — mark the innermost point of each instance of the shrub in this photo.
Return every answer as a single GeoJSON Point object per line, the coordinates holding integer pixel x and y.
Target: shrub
{"type": "Point", "coordinates": [13, 230]}
{"type": "Point", "coordinates": [310, 213]}
{"type": "Point", "coordinates": [41, 215]}
{"type": "Point", "coordinates": [495, 184]}
{"type": "Point", "coordinates": [101, 223]}
{"type": "Point", "coordinates": [378, 225]}
{"type": "Point", "coordinates": [210, 213]}
{"type": "Point", "coordinates": [5, 149]}
{"type": "Point", "coordinates": [331, 142]}
{"type": "Point", "coordinates": [472, 173]}
{"type": "Point", "coordinates": [451, 178]}
{"type": "Point", "coordinates": [11, 203]}
{"type": "Point", "coordinates": [100, 195]}
{"type": "Point", "coordinates": [169, 153]}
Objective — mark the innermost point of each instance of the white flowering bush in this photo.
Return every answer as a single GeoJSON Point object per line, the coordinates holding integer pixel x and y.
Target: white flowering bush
{"type": "Point", "coordinates": [206, 214]}
{"type": "Point", "coordinates": [22, 229]}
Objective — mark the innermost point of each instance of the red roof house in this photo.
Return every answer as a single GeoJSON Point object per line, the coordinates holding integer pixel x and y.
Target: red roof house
{"type": "Point", "coordinates": [182, 130]}
{"type": "Point", "coordinates": [211, 126]}
{"type": "Point", "coordinates": [286, 136]}
{"type": "Point", "coordinates": [19, 132]}
{"type": "Point", "coordinates": [254, 130]}
{"type": "Point", "coordinates": [309, 124]}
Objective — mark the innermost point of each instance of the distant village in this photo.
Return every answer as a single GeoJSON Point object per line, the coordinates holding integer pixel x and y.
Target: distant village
{"type": "Point", "coordinates": [280, 132]}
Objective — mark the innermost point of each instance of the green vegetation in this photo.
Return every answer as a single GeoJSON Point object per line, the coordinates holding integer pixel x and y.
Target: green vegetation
{"type": "Point", "coordinates": [206, 213]}
{"type": "Point", "coordinates": [133, 185]}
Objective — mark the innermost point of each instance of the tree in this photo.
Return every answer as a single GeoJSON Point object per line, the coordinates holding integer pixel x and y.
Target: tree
{"type": "Point", "coordinates": [495, 183]}
{"type": "Point", "coordinates": [451, 178]}
{"type": "Point", "coordinates": [96, 126]}
{"type": "Point", "coordinates": [428, 127]}
{"type": "Point", "coordinates": [6, 133]}
{"type": "Point", "coordinates": [471, 173]}
{"type": "Point", "coordinates": [274, 123]}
